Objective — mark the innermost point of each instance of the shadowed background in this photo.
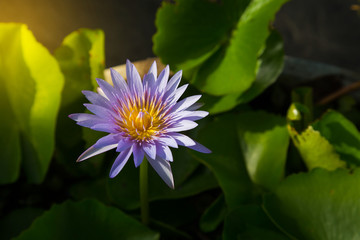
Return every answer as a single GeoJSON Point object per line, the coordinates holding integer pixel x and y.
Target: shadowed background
{"type": "Point", "coordinates": [323, 30]}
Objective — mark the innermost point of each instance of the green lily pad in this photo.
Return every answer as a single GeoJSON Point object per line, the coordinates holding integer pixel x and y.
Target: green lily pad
{"type": "Point", "coordinates": [226, 160]}
{"type": "Point", "coordinates": [180, 41]}
{"type": "Point", "coordinates": [264, 140]}
{"type": "Point", "coordinates": [271, 65]}
{"type": "Point", "coordinates": [217, 44]}
{"type": "Point", "coordinates": [87, 219]}
{"type": "Point", "coordinates": [320, 204]}
{"type": "Point", "coordinates": [31, 91]}
{"type": "Point", "coordinates": [250, 222]}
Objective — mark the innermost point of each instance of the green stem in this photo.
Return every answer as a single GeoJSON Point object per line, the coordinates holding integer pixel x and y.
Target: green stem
{"type": "Point", "coordinates": [144, 200]}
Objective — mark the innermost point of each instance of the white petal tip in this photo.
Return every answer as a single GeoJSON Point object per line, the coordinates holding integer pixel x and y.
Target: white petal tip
{"type": "Point", "coordinates": [112, 175]}
{"type": "Point", "coordinates": [80, 159]}
{"type": "Point", "coordinates": [83, 156]}
{"type": "Point", "coordinates": [137, 164]}
{"type": "Point", "coordinates": [205, 150]}
{"type": "Point", "coordinates": [170, 182]}
{"type": "Point", "coordinates": [113, 71]}
{"type": "Point", "coordinates": [163, 169]}
{"type": "Point", "coordinates": [200, 148]}
{"type": "Point", "coordinates": [208, 151]}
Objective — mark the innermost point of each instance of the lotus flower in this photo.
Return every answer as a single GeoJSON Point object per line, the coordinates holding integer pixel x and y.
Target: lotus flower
{"type": "Point", "coordinates": [142, 118]}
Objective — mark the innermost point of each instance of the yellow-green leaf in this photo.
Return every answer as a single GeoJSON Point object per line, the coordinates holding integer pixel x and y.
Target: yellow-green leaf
{"type": "Point", "coordinates": [32, 82]}
{"type": "Point", "coordinates": [315, 150]}
{"type": "Point", "coordinates": [81, 59]}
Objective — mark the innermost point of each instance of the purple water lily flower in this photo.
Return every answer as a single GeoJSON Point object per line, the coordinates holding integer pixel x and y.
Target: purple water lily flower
{"type": "Point", "coordinates": [143, 118]}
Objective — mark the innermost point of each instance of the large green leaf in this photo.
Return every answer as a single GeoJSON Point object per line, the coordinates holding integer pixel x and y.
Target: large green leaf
{"type": "Point", "coordinates": [264, 141]}
{"type": "Point", "coordinates": [342, 134]}
{"type": "Point", "coordinates": [31, 89]}
{"type": "Point", "coordinates": [81, 59]}
{"type": "Point", "coordinates": [233, 70]}
{"type": "Point", "coordinates": [217, 44]}
{"type": "Point", "coordinates": [17, 221]}
{"type": "Point", "coordinates": [250, 222]}
{"type": "Point", "coordinates": [190, 179]}
{"type": "Point", "coordinates": [320, 204]}
{"type": "Point", "coordinates": [188, 32]}
{"type": "Point", "coordinates": [88, 219]}
{"type": "Point", "coordinates": [271, 65]}
{"type": "Point", "coordinates": [226, 160]}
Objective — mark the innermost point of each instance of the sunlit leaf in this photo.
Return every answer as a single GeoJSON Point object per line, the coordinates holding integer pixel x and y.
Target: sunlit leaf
{"type": "Point", "coordinates": [315, 150]}
{"type": "Point", "coordinates": [10, 153]}
{"type": "Point", "coordinates": [81, 59]}
{"type": "Point", "coordinates": [320, 204]}
{"type": "Point", "coordinates": [271, 64]}
{"type": "Point", "coordinates": [87, 219]}
{"type": "Point", "coordinates": [264, 141]}
{"type": "Point", "coordinates": [216, 43]}
{"type": "Point", "coordinates": [342, 134]}
{"type": "Point", "coordinates": [31, 89]}
{"type": "Point", "coordinates": [181, 28]}
{"type": "Point", "coordinates": [237, 64]}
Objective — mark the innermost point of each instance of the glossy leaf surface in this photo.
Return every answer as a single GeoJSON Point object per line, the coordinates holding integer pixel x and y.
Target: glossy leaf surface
{"type": "Point", "coordinates": [88, 219]}
{"type": "Point", "coordinates": [31, 90]}
{"type": "Point", "coordinates": [264, 141]}
{"type": "Point", "coordinates": [320, 204]}
{"type": "Point", "coordinates": [225, 61]}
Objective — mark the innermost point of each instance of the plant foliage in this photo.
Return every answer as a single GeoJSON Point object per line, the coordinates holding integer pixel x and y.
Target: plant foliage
{"type": "Point", "coordinates": [279, 169]}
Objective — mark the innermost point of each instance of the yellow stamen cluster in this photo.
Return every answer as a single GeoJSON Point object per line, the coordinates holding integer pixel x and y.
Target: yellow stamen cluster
{"type": "Point", "coordinates": [141, 118]}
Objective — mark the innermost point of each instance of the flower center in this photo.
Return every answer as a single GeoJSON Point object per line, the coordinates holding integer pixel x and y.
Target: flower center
{"type": "Point", "coordinates": [141, 121]}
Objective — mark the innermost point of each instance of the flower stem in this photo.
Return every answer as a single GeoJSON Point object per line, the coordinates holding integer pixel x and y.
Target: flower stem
{"type": "Point", "coordinates": [144, 200]}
